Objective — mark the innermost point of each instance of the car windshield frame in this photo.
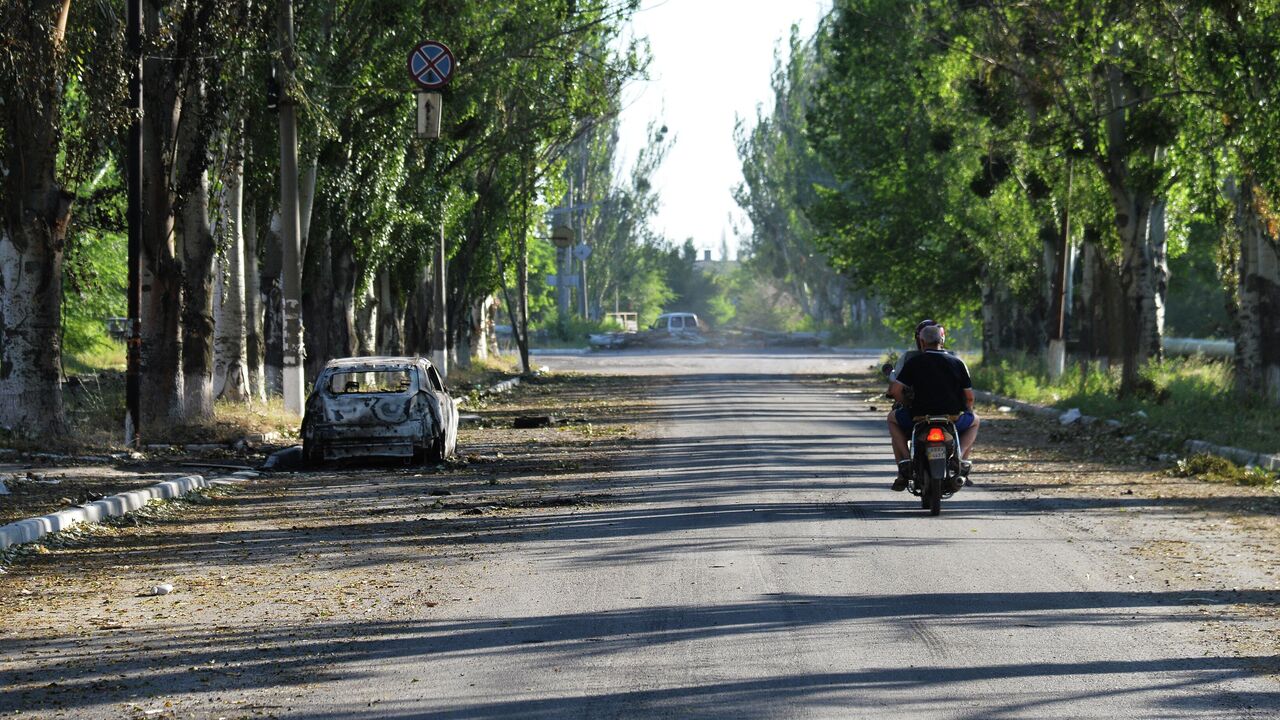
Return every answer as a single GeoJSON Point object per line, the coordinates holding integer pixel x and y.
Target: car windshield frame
{"type": "Point", "coordinates": [409, 371]}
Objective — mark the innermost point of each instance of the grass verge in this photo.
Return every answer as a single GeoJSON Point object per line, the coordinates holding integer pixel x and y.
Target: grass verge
{"type": "Point", "coordinates": [1192, 398]}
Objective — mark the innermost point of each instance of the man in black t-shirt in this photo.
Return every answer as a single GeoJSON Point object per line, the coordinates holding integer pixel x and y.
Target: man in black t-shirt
{"type": "Point", "coordinates": [941, 386]}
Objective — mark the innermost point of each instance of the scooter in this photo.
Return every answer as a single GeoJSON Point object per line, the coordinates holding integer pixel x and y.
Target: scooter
{"type": "Point", "coordinates": [935, 461]}
{"type": "Point", "coordinates": [934, 450]}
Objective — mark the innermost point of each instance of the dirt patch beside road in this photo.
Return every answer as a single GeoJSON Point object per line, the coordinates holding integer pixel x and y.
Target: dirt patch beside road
{"type": "Point", "coordinates": [272, 583]}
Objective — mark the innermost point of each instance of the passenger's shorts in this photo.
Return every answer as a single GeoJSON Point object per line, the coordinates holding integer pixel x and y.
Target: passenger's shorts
{"type": "Point", "coordinates": [903, 416]}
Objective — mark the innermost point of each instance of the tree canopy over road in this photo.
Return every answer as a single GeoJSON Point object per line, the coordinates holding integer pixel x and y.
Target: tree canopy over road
{"type": "Point", "coordinates": [938, 153]}
{"type": "Point", "coordinates": [536, 79]}
{"type": "Point", "coordinates": [973, 161]}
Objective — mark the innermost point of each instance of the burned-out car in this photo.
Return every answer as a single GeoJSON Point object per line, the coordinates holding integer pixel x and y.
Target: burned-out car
{"type": "Point", "coordinates": [379, 407]}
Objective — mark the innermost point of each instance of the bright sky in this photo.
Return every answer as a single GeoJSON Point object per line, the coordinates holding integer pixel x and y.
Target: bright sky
{"type": "Point", "coordinates": [711, 63]}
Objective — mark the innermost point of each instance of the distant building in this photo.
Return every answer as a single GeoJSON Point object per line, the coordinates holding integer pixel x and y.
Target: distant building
{"type": "Point", "coordinates": [715, 267]}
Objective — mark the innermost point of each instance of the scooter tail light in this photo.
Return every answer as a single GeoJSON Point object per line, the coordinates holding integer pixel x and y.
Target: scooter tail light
{"type": "Point", "coordinates": [935, 435]}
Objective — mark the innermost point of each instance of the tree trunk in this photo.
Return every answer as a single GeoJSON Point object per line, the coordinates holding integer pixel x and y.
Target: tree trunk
{"type": "Point", "coordinates": [1156, 261]}
{"type": "Point", "coordinates": [306, 202]}
{"type": "Point", "coordinates": [252, 306]}
{"type": "Point", "coordinates": [1257, 360]}
{"type": "Point", "coordinates": [342, 308]}
{"type": "Point", "coordinates": [367, 323]}
{"type": "Point", "coordinates": [271, 290]}
{"type": "Point", "coordinates": [1136, 283]}
{"type": "Point", "coordinates": [161, 378]}
{"type": "Point", "coordinates": [317, 289]}
{"type": "Point", "coordinates": [418, 313]}
{"type": "Point", "coordinates": [231, 379]}
{"type": "Point", "coordinates": [1133, 206]}
{"type": "Point", "coordinates": [30, 302]}
{"type": "Point", "coordinates": [390, 317]}
{"type": "Point", "coordinates": [197, 309]}
{"type": "Point", "coordinates": [990, 318]}
{"type": "Point", "coordinates": [33, 231]}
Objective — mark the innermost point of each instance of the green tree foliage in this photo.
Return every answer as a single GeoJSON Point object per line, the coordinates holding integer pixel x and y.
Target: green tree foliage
{"type": "Point", "coordinates": [936, 152]}
{"type": "Point", "coordinates": [782, 175]}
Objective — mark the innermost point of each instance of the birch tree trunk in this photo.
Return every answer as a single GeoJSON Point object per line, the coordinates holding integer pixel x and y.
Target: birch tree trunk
{"type": "Point", "coordinates": [231, 377]}
{"type": "Point", "coordinates": [30, 297]}
{"type": "Point", "coordinates": [37, 209]}
{"type": "Point", "coordinates": [1154, 294]}
{"type": "Point", "coordinates": [342, 302]}
{"type": "Point", "coordinates": [367, 323]}
{"type": "Point", "coordinates": [252, 306]}
{"type": "Point", "coordinates": [1132, 207]}
{"type": "Point", "coordinates": [1257, 360]}
{"type": "Point", "coordinates": [390, 317]}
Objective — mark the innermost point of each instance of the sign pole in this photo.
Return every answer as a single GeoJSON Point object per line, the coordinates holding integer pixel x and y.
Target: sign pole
{"type": "Point", "coordinates": [431, 65]}
{"type": "Point", "coordinates": [133, 174]}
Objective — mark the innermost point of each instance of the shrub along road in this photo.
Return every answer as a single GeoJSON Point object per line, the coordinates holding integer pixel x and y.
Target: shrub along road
{"type": "Point", "coordinates": [707, 536]}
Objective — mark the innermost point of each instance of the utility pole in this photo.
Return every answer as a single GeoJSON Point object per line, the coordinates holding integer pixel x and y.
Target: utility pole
{"type": "Point", "coordinates": [133, 180]}
{"type": "Point", "coordinates": [294, 382]}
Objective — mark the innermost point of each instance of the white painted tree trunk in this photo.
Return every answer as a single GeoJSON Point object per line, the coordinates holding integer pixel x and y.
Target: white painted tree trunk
{"type": "Point", "coordinates": [231, 376]}
{"type": "Point", "coordinates": [198, 251]}
{"type": "Point", "coordinates": [30, 297]}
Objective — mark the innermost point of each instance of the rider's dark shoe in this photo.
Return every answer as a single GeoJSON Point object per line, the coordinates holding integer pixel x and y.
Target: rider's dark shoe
{"type": "Point", "coordinates": [904, 474]}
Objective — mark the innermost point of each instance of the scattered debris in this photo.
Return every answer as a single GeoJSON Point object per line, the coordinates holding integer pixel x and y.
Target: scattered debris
{"type": "Point", "coordinates": [289, 458]}
{"type": "Point", "coordinates": [162, 589]}
{"type": "Point", "coordinates": [1070, 416]}
{"type": "Point", "coordinates": [526, 422]}
{"type": "Point", "coordinates": [1005, 409]}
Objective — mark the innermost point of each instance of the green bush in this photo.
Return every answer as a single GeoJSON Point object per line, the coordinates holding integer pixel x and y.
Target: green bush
{"type": "Point", "coordinates": [572, 331]}
{"type": "Point", "coordinates": [1216, 469]}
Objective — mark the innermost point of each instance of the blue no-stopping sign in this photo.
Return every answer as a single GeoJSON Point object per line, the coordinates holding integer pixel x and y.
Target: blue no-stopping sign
{"type": "Point", "coordinates": [431, 64]}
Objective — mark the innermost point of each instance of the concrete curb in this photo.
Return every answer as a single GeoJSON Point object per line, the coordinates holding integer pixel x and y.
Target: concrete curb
{"type": "Point", "coordinates": [1234, 454]}
{"type": "Point", "coordinates": [501, 387]}
{"type": "Point", "coordinates": [31, 529]}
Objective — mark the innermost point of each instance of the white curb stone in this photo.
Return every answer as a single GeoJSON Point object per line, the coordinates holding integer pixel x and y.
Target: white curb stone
{"type": "Point", "coordinates": [31, 529]}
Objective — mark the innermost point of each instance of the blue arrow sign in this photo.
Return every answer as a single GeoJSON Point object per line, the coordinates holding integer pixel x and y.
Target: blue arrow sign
{"type": "Point", "coordinates": [431, 64]}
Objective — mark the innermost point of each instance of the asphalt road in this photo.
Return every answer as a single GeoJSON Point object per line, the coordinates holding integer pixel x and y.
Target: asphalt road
{"type": "Point", "coordinates": [754, 564]}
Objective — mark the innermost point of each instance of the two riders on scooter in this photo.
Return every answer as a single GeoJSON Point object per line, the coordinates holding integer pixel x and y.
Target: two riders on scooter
{"type": "Point", "coordinates": [940, 385]}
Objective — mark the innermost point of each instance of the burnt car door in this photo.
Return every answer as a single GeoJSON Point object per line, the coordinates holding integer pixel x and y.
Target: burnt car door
{"type": "Point", "coordinates": [444, 409]}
